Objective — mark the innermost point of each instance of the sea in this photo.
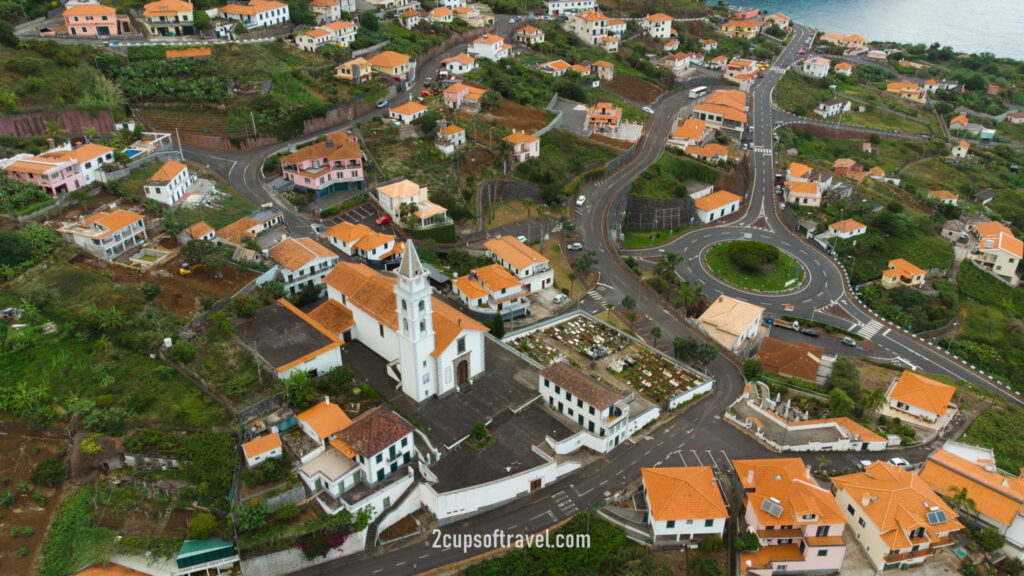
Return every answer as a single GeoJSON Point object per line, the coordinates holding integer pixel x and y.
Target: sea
{"type": "Point", "coordinates": [966, 25]}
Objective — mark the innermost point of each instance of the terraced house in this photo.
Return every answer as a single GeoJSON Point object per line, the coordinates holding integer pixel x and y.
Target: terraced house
{"type": "Point", "coordinates": [324, 167]}
{"type": "Point", "coordinates": [257, 13]}
{"type": "Point", "coordinates": [333, 33]}
{"type": "Point", "coordinates": [168, 18]}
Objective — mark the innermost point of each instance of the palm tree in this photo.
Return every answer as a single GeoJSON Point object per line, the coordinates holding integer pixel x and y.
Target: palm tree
{"type": "Point", "coordinates": [666, 267]}
{"type": "Point", "coordinates": [655, 334]}
{"type": "Point", "coordinates": [55, 130]}
{"type": "Point", "coordinates": [572, 282]}
{"type": "Point", "coordinates": [961, 502]}
{"type": "Point", "coordinates": [609, 306]}
{"type": "Point", "coordinates": [632, 318]}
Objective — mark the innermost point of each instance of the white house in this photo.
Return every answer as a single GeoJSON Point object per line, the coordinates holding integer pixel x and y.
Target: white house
{"type": "Point", "coordinates": [333, 33]}
{"type": "Point", "coordinates": [531, 268]}
{"type": "Point", "coordinates": [440, 14]}
{"type": "Point", "coordinates": [714, 206]}
{"type": "Point", "coordinates": [816, 67]}
{"type": "Point", "coordinates": [360, 241]}
{"type": "Point", "coordinates": [683, 503]}
{"type": "Point", "coordinates": [944, 197]}
{"type": "Point", "coordinates": [408, 112]}
{"type": "Point", "coordinates": [431, 348]}
{"type": "Point", "coordinates": [262, 448]}
{"type": "Point", "coordinates": [490, 46]}
{"type": "Point", "coordinates": [257, 13]}
{"type": "Point", "coordinates": [848, 228]}
{"type": "Point", "coordinates": [302, 262]}
{"type": "Point", "coordinates": [559, 7]}
{"type": "Point", "coordinates": [709, 44]}
{"type": "Point", "coordinates": [461, 64]}
{"type": "Point", "coordinates": [450, 138]}
{"type": "Point", "coordinates": [731, 322]}
{"type": "Point", "coordinates": [601, 412]}
{"type": "Point", "coordinates": [961, 149]}
{"type": "Point", "coordinates": [169, 184]}
{"type": "Point", "coordinates": [832, 107]}
{"type": "Point", "coordinates": [692, 132]}
{"type": "Point", "coordinates": [658, 26]}
{"type": "Point", "coordinates": [391, 197]}
{"type": "Point", "coordinates": [492, 289]}
{"type": "Point", "coordinates": [452, 4]}
{"type": "Point", "coordinates": [106, 235]}
{"type": "Point", "coordinates": [919, 397]}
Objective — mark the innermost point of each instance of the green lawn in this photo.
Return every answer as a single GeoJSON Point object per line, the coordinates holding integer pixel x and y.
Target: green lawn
{"type": "Point", "coordinates": [874, 249]}
{"type": "Point", "coordinates": [261, 60]}
{"type": "Point", "coordinates": [645, 238]}
{"type": "Point", "coordinates": [999, 428]}
{"type": "Point", "coordinates": [785, 270]}
{"type": "Point", "coordinates": [668, 175]}
{"type": "Point", "coordinates": [563, 156]}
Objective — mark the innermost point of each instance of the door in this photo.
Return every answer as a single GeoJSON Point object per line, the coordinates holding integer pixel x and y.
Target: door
{"type": "Point", "coordinates": [535, 484]}
{"type": "Point", "coordinates": [462, 373]}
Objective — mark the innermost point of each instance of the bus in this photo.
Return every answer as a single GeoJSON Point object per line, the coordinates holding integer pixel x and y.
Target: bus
{"type": "Point", "coordinates": [698, 92]}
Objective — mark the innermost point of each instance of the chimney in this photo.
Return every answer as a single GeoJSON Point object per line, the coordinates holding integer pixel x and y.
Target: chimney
{"type": "Point", "coordinates": [49, 143]}
{"type": "Point", "coordinates": [865, 500]}
{"type": "Point", "coordinates": [327, 399]}
{"type": "Point", "coordinates": [750, 476]}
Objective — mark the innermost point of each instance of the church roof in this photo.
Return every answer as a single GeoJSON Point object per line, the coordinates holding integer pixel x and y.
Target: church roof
{"type": "Point", "coordinates": [411, 266]}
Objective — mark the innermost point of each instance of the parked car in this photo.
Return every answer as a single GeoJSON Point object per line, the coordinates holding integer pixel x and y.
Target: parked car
{"type": "Point", "coordinates": [802, 52]}
{"type": "Point", "coordinates": [382, 104]}
{"type": "Point", "coordinates": [574, 246]}
{"type": "Point", "coordinates": [511, 20]}
{"type": "Point", "coordinates": [648, 109]}
{"type": "Point", "coordinates": [385, 219]}
{"type": "Point", "coordinates": [849, 341]}
{"type": "Point", "coordinates": [865, 463]}
{"type": "Point", "coordinates": [522, 239]}
{"type": "Point", "coordinates": [899, 462]}
{"type": "Point", "coordinates": [810, 332]}
{"type": "Point", "coordinates": [559, 299]}
{"type": "Point", "coordinates": [580, 200]}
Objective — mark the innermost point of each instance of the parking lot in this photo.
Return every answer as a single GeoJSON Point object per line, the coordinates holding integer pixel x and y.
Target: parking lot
{"type": "Point", "coordinates": [366, 214]}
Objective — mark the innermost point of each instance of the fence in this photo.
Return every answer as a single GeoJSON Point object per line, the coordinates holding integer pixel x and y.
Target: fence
{"type": "Point", "coordinates": [371, 50]}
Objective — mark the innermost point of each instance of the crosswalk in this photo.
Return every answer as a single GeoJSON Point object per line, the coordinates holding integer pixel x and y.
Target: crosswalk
{"type": "Point", "coordinates": [777, 68]}
{"type": "Point", "coordinates": [762, 149]}
{"type": "Point", "coordinates": [870, 329]}
{"type": "Point", "coordinates": [557, 228]}
{"type": "Point", "coordinates": [596, 295]}
{"type": "Point", "coordinates": [565, 504]}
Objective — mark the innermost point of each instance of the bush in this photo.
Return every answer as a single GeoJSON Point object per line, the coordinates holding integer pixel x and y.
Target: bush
{"type": "Point", "coordinates": [330, 211]}
{"type": "Point", "coordinates": [748, 542]}
{"type": "Point", "coordinates": [49, 472]}
{"type": "Point", "coordinates": [203, 525]}
{"type": "Point", "coordinates": [752, 256]}
{"type": "Point", "coordinates": [990, 539]}
{"type": "Point", "coordinates": [287, 512]}
{"type": "Point", "coordinates": [183, 351]}
{"type": "Point", "coordinates": [711, 544]}
{"type": "Point", "coordinates": [251, 516]}
{"type": "Point", "coordinates": [752, 369]}
{"type": "Point", "coordinates": [705, 566]}
{"type": "Point", "coordinates": [245, 306]}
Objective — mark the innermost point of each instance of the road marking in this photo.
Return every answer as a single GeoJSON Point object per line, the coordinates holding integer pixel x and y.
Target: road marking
{"type": "Point", "coordinates": [699, 463]}
{"type": "Point", "coordinates": [400, 564]}
{"type": "Point", "coordinates": [424, 556]}
{"type": "Point", "coordinates": [603, 483]}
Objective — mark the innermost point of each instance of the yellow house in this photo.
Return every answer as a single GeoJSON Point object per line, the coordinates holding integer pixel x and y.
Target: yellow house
{"type": "Point", "coordinates": [358, 70]}
{"type": "Point", "coordinates": [907, 91]}
{"type": "Point", "coordinates": [168, 18]}
{"type": "Point", "coordinates": [741, 28]}
{"type": "Point", "coordinates": [902, 273]}
{"type": "Point", "coordinates": [390, 63]}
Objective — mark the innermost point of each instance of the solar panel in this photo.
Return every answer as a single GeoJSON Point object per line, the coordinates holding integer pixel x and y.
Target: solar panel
{"type": "Point", "coordinates": [771, 507]}
{"type": "Point", "coordinates": [936, 517]}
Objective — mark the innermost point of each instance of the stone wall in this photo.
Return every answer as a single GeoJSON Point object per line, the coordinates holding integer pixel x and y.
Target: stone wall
{"type": "Point", "coordinates": [644, 213]}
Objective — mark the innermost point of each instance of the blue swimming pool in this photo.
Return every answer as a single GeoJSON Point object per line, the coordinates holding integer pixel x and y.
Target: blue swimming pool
{"type": "Point", "coordinates": [132, 153]}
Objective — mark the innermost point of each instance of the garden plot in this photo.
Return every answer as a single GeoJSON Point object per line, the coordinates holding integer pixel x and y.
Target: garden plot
{"type": "Point", "coordinates": [612, 357]}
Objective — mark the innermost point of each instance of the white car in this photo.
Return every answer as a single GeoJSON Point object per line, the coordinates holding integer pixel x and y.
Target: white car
{"type": "Point", "coordinates": [574, 247]}
{"type": "Point", "coordinates": [521, 239]}
{"type": "Point", "coordinates": [382, 104]}
{"type": "Point", "coordinates": [580, 200]}
{"type": "Point", "coordinates": [648, 109]}
{"type": "Point", "coordinates": [560, 298]}
{"type": "Point", "coordinates": [865, 463]}
{"type": "Point", "coordinates": [899, 462]}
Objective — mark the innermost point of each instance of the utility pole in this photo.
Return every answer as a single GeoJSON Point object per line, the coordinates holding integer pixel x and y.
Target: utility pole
{"type": "Point", "coordinates": [181, 153]}
{"type": "Point", "coordinates": [253, 118]}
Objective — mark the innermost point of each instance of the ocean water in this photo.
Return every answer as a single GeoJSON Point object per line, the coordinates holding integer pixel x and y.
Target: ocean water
{"type": "Point", "coordinates": [967, 25]}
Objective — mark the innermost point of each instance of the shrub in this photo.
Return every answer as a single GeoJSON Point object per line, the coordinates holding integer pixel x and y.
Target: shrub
{"type": "Point", "coordinates": [330, 211]}
{"type": "Point", "coordinates": [245, 306]}
{"type": "Point", "coordinates": [705, 566]}
{"type": "Point", "coordinates": [752, 256]}
{"type": "Point", "coordinates": [748, 542]}
{"type": "Point", "coordinates": [202, 525]}
{"type": "Point", "coordinates": [251, 516]}
{"type": "Point", "coordinates": [207, 302]}
{"type": "Point", "coordinates": [990, 539]}
{"type": "Point", "coordinates": [287, 512]}
{"type": "Point", "coordinates": [711, 544]}
{"type": "Point", "coordinates": [49, 472]}
{"type": "Point", "coordinates": [183, 351]}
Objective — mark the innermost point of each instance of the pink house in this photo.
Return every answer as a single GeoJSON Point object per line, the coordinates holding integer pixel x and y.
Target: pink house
{"type": "Point", "coordinates": [56, 175]}
{"type": "Point", "coordinates": [91, 20]}
{"type": "Point", "coordinates": [524, 146]}
{"type": "Point", "coordinates": [325, 167]}
{"type": "Point", "coordinates": [799, 524]}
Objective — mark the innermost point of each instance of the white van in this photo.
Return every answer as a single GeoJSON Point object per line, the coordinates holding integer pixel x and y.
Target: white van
{"type": "Point", "coordinates": [560, 298]}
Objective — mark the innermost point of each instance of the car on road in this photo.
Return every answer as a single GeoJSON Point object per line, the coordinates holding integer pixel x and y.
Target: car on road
{"type": "Point", "coordinates": [511, 20]}
{"type": "Point", "coordinates": [810, 332]}
{"type": "Point", "coordinates": [559, 299]}
{"type": "Point", "coordinates": [382, 104]}
{"type": "Point", "coordinates": [574, 246]}
{"type": "Point", "coordinates": [522, 239]}
{"type": "Point", "coordinates": [802, 52]}
{"type": "Point", "coordinates": [384, 219]}
{"type": "Point", "coordinates": [580, 200]}
{"type": "Point", "coordinates": [849, 341]}
{"type": "Point", "coordinates": [648, 109]}
{"type": "Point", "coordinates": [865, 463]}
{"type": "Point", "coordinates": [899, 462]}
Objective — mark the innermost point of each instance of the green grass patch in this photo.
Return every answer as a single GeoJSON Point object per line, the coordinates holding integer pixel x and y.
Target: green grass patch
{"type": "Point", "coordinates": [772, 278]}
{"type": "Point", "coordinates": [645, 238]}
{"type": "Point", "coordinates": [260, 60]}
{"type": "Point", "coordinates": [668, 175]}
{"type": "Point", "coordinates": [890, 155]}
{"type": "Point", "coordinates": [563, 156]}
{"type": "Point", "coordinates": [999, 428]}
{"type": "Point", "coordinates": [913, 309]}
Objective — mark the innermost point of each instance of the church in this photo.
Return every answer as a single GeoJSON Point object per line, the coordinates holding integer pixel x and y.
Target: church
{"type": "Point", "coordinates": [431, 348]}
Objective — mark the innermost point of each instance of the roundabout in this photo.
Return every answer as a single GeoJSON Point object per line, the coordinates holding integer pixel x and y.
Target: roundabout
{"type": "Point", "coordinates": [754, 266]}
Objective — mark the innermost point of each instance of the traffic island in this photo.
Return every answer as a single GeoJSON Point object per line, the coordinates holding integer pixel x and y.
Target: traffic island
{"type": "Point", "coordinates": [755, 266]}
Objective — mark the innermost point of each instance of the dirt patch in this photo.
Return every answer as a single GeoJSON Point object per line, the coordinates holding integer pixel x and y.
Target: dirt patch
{"type": "Point", "coordinates": [635, 89]}
{"type": "Point", "coordinates": [515, 116]}
{"type": "Point", "coordinates": [679, 559]}
{"type": "Point", "coordinates": [476, 160]}
{"type": "Point", "coordinates": [406, 525]}
{"type": "Point", "coordinates": [181, 293]}
{"type": "Point", "coordinates": [874, 376]}
{"type": "Point", "coordinates": [610, 142]}
{"type": "Point", "coordinates": [736, 180]}
{"type": "Point", "coordinates": [19, 453]}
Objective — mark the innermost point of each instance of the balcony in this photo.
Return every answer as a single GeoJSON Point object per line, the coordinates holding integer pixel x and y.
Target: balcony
{"type": "Point", "coordinates": [905, 556]}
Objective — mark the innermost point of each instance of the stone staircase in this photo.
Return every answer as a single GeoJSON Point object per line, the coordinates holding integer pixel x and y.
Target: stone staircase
{"type": "Point", "coordinates": [373, 528]}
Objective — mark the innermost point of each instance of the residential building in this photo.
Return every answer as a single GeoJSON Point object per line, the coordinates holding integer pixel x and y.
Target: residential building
{"type": "Point", "coordinates": [718, 62]}
{"type": "Point", "coordinates": [907, 91]}
{"type": "Point", "coordinates": [959, 122]}
{"type": "Point", "coordinates": [657, 26]}
{"type": "Point", "coordinates": [450, 138]}
{"type": "Point", "coordinates": [848, 228]}
{"type": "Point", "coordinates": [491, 47]}
{"type": "Point", "coordinates": [289, 340]}
{"type": "Point", "coordinates": [844, 68]}
{"type": "Point", "coordinates": [960, 149]}
{"type": "Point", "coordinates": [360, 241]}
{"type": "Point", "coordinates": [168, 18]}
{"type": "Point", "coordinates": [919, 397]}
{"type": "Point", "coordinates": [998, 497]}
{"type": "Point", "coordinates": [559, 7]}
{"type": "Point", "coordinates": [524, 146]}
{"type": "Point", "coordinates": [592, 28]}
{"type": "Point", "coordinates": [748, 29]}
{"type": "Point", "coordinates": [876, 173]}
{"type": "Point", "coordinates": [803, 193]}
{"type": "Point", "coordinates": [410, 18]}
{"type": "Point", "coordinates": [792, 360]}
{"type": "Point", "coordinates": [335, 164]}
{"type": "Point", "coordinates": [604, 118]}
{"type": "Point", "coordinates": [832, 107]}
{"type": "Point", "coordinates": [954, 230]}
{"type": "Point", "coordinates": [252, 225]}
{"type": "Point", "coordinates": [724, 110]}
{"type": "Point", "coordinates": [898, 520]}
{"type": "Point", "coordinates": [430, 347]}
{"type": "Point", "coordinates": [257, 13]}
{"type": "Point", "coordinates": [472, 16]}
{"type": "Point", "coordinates": [357, 71]}
{"type": "Point", "coordinates": [461, 64]}
{"type": "Point", "coordinates": [490, 290]}
{"type": "Point", "coordinates": [330, 10]}
{"type": "Point", "coordinates": [531, 268]}
{"type": "Point", "coordinates": [529, 35]}
{"type": "Point", "coordinates": [692, 132]}
{"type": "Point", "coordinates": [408, 112]}
{"type": "Point", "coordinates": [800, 525]}
{"type": "Point", "coordinates": [677, 63]}
{"type": "Point", "coordinates": [670, 45]}
{"type": "Point", "coordinates": [616, 27]}
{"type": "Point", "coordinates": [944, 197]}
{"type": "Point", "coordinates": [452, 4]}
{"type": "Point", "coordinates": [555, 67]}
{"type": "Point", "coordinates": [392, 196]}
{"type": "Point", "coordinates": [330, 34]}
{"type": "Point", "coordinates": [1015, 118]}
{"type": "Point", "coordinates": [601, 412]}
{"type": "Point", "coordinates": [603, 70]}
{"type": "Point", "coordinates": [169, 183]}
{"type": "Point", "coordinates": [816, 67]}
{"type": "Point", "coordinates": [55, 174]}
{"type": "Point", "coordinates": [999, 253]}
{"type": "Point", "coordinates": [843, 166]}
{"type": "Point", "coordinates": [94, 19]}
{"type": "Point", "coordinates": [106, 235]}
{"type": "Point", "coordinates": [683, 503]}
{"type": "Point", "coordinates": [731, 322]}
{"type": "Point", "coordinates": [709, 44]}
{"type": "Point", "coordinates": [459, 95]}
{"type": "Point", "coordinates": [713, 206]}
{"type": "Point", "coordinates": [440, 14]}
{"type": "Point", "coordinates": [797, 172]}
{"type": "Point", "coordinates": [780, 20]}
{"type": "Point", "coordinates": [740, 69]}
{"type": "Point", "coordinates": [711, 153]}
{"type": "Point", "coordinates": [262, 448]}
{"type": "Point", "coordinates": [902, 273]}
{"type": "Point", "coordinates": [393, 65]}
{"type": "Point", "coordinates": [198, 231]}
{"type": "Point", "coordinates": [301, 262]}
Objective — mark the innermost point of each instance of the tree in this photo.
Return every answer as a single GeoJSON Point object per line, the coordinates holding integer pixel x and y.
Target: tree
{"type": "Point", "coordinates": [839, 403]}
{"type": "Point", "coordinates": [572, 282]}
{"type": "Point", "coordinates": [748, 542]}
{"type": "Point", "coordinates": [628, 302]}
{"type": "Point", "coordinates": [584, 262]}
{"type": "Point", "coordinates": [705, 566]}
{"type": "Point", "coordinates": [7, 37]}
{"type": "Point", "coordinates": [666, 267]}
{"type": "Point", "coordinates": [202, 526]}
{"type": "Point", "coordinates": [204, 252]}
{"type": "Point", "coordinates": [498, 326]}
{"type": "Point", "coordinates": [479, 432]}
{"type": "Point", "coordinates": [632, 318]}
{"type": "Point", "coordinates": [49, 472]}
{"type": "Point", "coordinates": [368, 21]}
{"type": "Point", "coordinates": [201, 19]}
{"type": "Point", "coordinates": [752, 256]}
{"type": "Point", "coordinates": [183, 351]}
{"type": "Point", "coordinates": [251, 515]}
{"type": "Point", "coordinates": [752, 369]}
{"type": "Point", "coordinates": [875, 139]}
{"type": "Point", "coordinates": [990, 539]}
{"type": "Point", "coordinates": [272, 290]}
{"type": "Point", "coordinates": [240, 28]}
{"type": "Point", "coordinates": [298, 390]}
{"type": "Point", "coordinates": [655, 334]}
{"type": "Point", "coordinates": [428, 122]}
{"type": "Point", "coordinates": [845, 376]}
{"type": "Point", "coordinates": [14, 249]}
{"type": "Point", "coordinates": [961, 501]}
{"type": "Point", "coordinates": [150, 290]}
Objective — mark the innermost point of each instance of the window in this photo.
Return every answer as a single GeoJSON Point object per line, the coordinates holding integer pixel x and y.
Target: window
{"type": "Point", "coordinates": [671, 523]}
{"type": "Point", "coordinates": [579, 403]}
{"type": "Point", "coordinates": [849, 508]}
{"type": "Point", "coordinates": [822, 553]}
{"type": "Point", "coordinates": [822, 531]}
{"type": "Point", "coordinates": [861, 522]}
{"type": "Point", "coordinates": [591, 410]}
{"type": "Point", "coordinates": [405, 442]}
{"type": "Point", "coordinates": [461, 345]}
{"type": "Point", "coordinates": [380, 457]}
{"type": "Point", "coordinates": [421, 306]}
{"type": "Point", "coordinates": [380, 328]}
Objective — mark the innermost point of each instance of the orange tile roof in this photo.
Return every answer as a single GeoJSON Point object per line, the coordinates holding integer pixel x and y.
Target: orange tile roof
{"type": "Point", "coordinates": [592, 16]}
{"type": "Point", "coordinates": [261, 445]}
{"type": "Point", "coordinates": [89, 151]}
{"type": "Point", "coordinates": [402, 189]}
{"type": "Point", "coordinates": [166, 173]}
{"type": "Point", "coordinates": [325, 418]}
{"type": "Point", "coordinates": [529, 30]}
{"type": "Point", "coordinates": [902, 87]}
{"type": "Point", "coordinates": [348, 232]}
{"type": "Point", "coordinates": [343, 448]}
{"type": "Point", "coordinates": [464, 59]}
{"type": "Point", "coordinates": [89, 10]}
{"type": "Point", "coordinates": [943, 195]}
{"type": "Point", "coordinates": [294, 253]}
{"type": "Point", "coordinates": [803, 188]}
{"type": "Point", "coordinates": [428, 209]}
{"type": "Point", "coordinates": [683, 493]}
{"type": "Point", "coordinates": [964, 144]}
{"type": "Point", "coordinates": [904, 268]}
{"type": "Point", "coordinates": [790, 484]}
{"type": "Point", "coordinates": [440, 12]}
{"type": "Point", "coordinates": [333, 316]}
{"type": "Point", "coordinates": [511, 250]}
{"type": "Point", "coordinates": [409, 108]}
{"type": "Point", "coordinates": [741, 24]}
{"type": "Point", "coordinates": [388, 59]}
{"type": "Point", "coordinates": [161, 7]}
{"type": "Point", "coordinates": [790, 359]}
{"type": "Point", "coordinates": [895, 498]}
{"type": "Point", "coordinates": [496, 278]}
{"type": "Point", "coordinates": [557, 65]}
{"type": "Point", "coordinates": [844, 66]}
{"type": "Point", "coordinates": [877, 171]}
{"type": "Point", "coordinates": [238, 230]}
{"type": "Point", "coordinates": [727, 112]}
{"type": "Point", "coordinates": [961, 119]}
{"type": "Point", "coordinates": [716, 200]}
{"type": "Point", "coordinates": [922, 392]}
{"type": "Point", "coordinates": [798, 170]}
{"type": "Point", "coordinates": [252, 8]}
{"type": "Point", "coordinates": [690, 129]}
{"type": "Point", "coordinates": [451, 129]}
{"type": "Point", "coordinates": [1002, 241]}
{"type": "Point", "coordinates": [520, 138]}
{"type": "Point", "coordinates": [323, 3]}
{"type": "Point", "coordinates": [200, 52]}
{"type": "Point", "coordinates": [659, 17]}
{"type": "Point", "coordinates": [110, 569]}
{"type": "Point", "coordinates": [199, 229]}
{"type": "Point", "coordinates": [489, 39]}
{"type": "Point", "coordinates": [708, 151]}
{"type": "Point", "coordinates": [448, 324]}
{"type": "Point", "coordinates": [848, 225]}
{"type": "Point", "coordinates": [471, 288]}
{"type": "Point", "coordinates": [765, 556]}
{"type": "Point", "coordinates": [373, 240]}
{"type": "Point", "coordinates": [112, 221]}
{"type": "Point", "coordinates": [375, 430]}
{"type": "Point", "coordinates": [603, 64]}
{"type": "Point", "coordinates": [997, 496]}
{"type": "Point", "coordinates": [35, 165]}
{"type": "Point", "coordinates": [990, 228]}
{"type": "Point", "coordinates": [316, 33]}
{"type": "Point", "coordinates": [338, 146]}
{"type": "Point", "coordinates": [851, 427]}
